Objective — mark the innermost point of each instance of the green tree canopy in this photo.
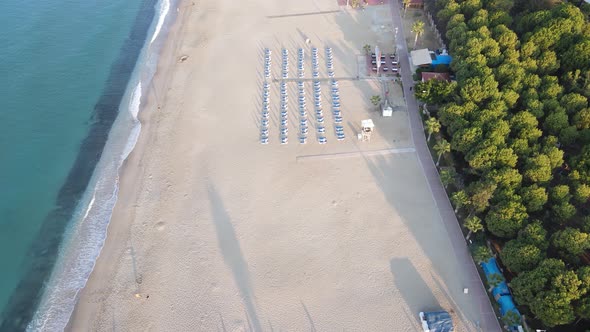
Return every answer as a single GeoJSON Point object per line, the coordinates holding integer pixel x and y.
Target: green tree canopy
{"type": "Point", "coordinates": [534, 197]}
{"type": "Point", "coordinates": [570, 243]}
{"type": "Point", "coordinates": [482, 254]}
{"type": "Point", "coordinates": [441, 147]}
{"type": "Point", "coordinates": [534, 234]}
{"type": "Point", "coordinates": [473, 224]}
{"type": "Point", "coordinates": [460, 199]}
{"type": "Point", "coordinates": [519, 256]}
{"type": "Point", "coordinates": [548, 290]}
{"type": "Point", "coordinates": [434, 91]}
{"type": "Point", "coordinates": [447, 177]}
{"type": "Point", "coordinates": [432, 126]}
{"type": "Point", "coordinates": [506, 218]}
{"type": "Point", "coordinates": [538, 169]}
{"type": "Point", "coordinates": [481, 193]}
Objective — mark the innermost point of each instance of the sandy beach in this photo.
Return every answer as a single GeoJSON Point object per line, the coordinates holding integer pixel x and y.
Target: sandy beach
{"type": "Point", "coordinates": [214, 231]}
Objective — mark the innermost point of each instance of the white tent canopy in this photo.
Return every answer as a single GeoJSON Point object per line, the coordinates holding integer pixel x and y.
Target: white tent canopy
{"type": "Point", "coordinates": [421, 57]}
{"type": "Point", "coordinates": [367, 124]}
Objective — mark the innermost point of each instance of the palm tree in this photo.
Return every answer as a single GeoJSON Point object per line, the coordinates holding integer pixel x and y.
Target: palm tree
{"type": "Point", "coordinates": [482, 254]}
{"type": "Point", "coordinates": [376, 100]}
{"type": "Point", "coordinates": [441, 147]}
{"type": "Point", "coordinates": [460, 199]}
{"type": "Point", "coordinates": [406, 4]}
{"type": "Point", "coordinates": [511, 318]}
{"type": "Point", "coordinates": [432, 126]}
{"type": "Point", "coordinates": [473, 224]}
{"type": "Point", "coordinates": [418, 29]}
{"type": "Point", "coordinates": [446, 177]}
{"type": "Point", "coordinates": [367, 49]}
{"type": "Point", "coordinates": [494, 280]}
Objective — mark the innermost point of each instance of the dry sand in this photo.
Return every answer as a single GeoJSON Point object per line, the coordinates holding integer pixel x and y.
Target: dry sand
{"type": "Point", "coordinates": [215, 232]}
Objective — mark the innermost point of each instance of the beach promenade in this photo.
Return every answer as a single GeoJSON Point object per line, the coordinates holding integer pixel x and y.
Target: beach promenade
{"type": "Point", "coordinates": [488, 322]}
{"type": "Point", "coordinates": [214, 231]}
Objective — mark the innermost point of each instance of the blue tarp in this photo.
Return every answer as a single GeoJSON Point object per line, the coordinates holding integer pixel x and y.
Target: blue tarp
{"type": "Point", "coordinates": [442, 59]}
{"type": "Point", "coordinates": [500, 290]}
{"type": "Point", "coordinates": [506, 304]}
{"type": "Point", "coordinates": [490, 267]}
{"type": "Point", "coordinates": [439, 321]}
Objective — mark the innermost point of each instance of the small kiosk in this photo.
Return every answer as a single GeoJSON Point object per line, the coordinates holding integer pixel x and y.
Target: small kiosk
{"type": "Point", "coordinates": [367, 127]}
{"type": "Point", "coordinates": [386, 110]}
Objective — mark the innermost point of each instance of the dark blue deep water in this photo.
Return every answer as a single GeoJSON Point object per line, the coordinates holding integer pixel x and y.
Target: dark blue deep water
{"type": "Point", "coordinates": [65, 69]}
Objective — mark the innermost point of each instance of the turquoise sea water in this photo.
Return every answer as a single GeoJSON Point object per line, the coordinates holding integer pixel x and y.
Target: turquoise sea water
{"type": "Point", "coordinates": [64, 68]}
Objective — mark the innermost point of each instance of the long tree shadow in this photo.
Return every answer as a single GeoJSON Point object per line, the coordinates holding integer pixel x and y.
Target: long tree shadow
{"type": "Point", "coordinates": [426, 229]}
{"type": "Point", "coordinates": [308, 315]}
{"type": "Point", "coordinates": [232, 254]}
{"type": "Point", "coordinates": [412, 287]}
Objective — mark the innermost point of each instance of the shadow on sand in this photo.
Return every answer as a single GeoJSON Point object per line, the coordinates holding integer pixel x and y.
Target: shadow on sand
{"type": "Point", "coordinates": [412, 287]}
{"type": "Point", "coordinates": [232, 255]}
{"type": "Point", "coordinates": [424, 227]}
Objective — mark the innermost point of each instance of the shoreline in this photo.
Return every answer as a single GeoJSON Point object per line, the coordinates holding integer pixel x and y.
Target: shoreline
{"type": "Point", "coordinates": [29, 295]}
{"type": "Point", "coordinates": [149, 105]}
{"type": "Point", "coordinates": [213, 230]}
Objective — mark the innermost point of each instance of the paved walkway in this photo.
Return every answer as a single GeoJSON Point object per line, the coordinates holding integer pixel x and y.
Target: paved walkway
{"type": "Point", "coordinates": [488, 321]}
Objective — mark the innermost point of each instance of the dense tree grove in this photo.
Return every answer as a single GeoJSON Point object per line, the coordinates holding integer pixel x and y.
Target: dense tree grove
{"type": "Point", "coordinates": [518, 116]}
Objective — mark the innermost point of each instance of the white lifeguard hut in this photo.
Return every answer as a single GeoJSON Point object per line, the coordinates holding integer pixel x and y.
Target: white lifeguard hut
{"type": "Point", "coordinates": [386, 110]}
{"type": "Point", "coordinates": [367, 127]}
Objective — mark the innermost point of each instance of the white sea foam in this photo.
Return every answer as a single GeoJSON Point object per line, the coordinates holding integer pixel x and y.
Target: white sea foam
{"type": "Point", "coordinates": [86, 237]}
{"type": "Point", "coordinates": [90, 205]}
{"type": "Point", "coordinates": [164, 8]}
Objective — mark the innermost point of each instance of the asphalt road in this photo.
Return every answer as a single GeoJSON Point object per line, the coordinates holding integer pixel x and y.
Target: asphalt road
{"type": "Point", "coordinates": [488, 321]}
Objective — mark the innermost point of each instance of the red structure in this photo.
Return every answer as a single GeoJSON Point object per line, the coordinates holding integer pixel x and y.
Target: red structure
{"type": "Point", "coordinates": [416, 4]}
{"type": "Point", "coordinates": [427, 76]}
{"type": "Point", "coordinates": [365, 2]}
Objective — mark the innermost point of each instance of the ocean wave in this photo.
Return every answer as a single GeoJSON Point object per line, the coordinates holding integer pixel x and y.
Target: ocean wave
{"type": "Point", "coordinates": [164, 8]}
{"type": "Point", "coordinates": [85, 239]}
